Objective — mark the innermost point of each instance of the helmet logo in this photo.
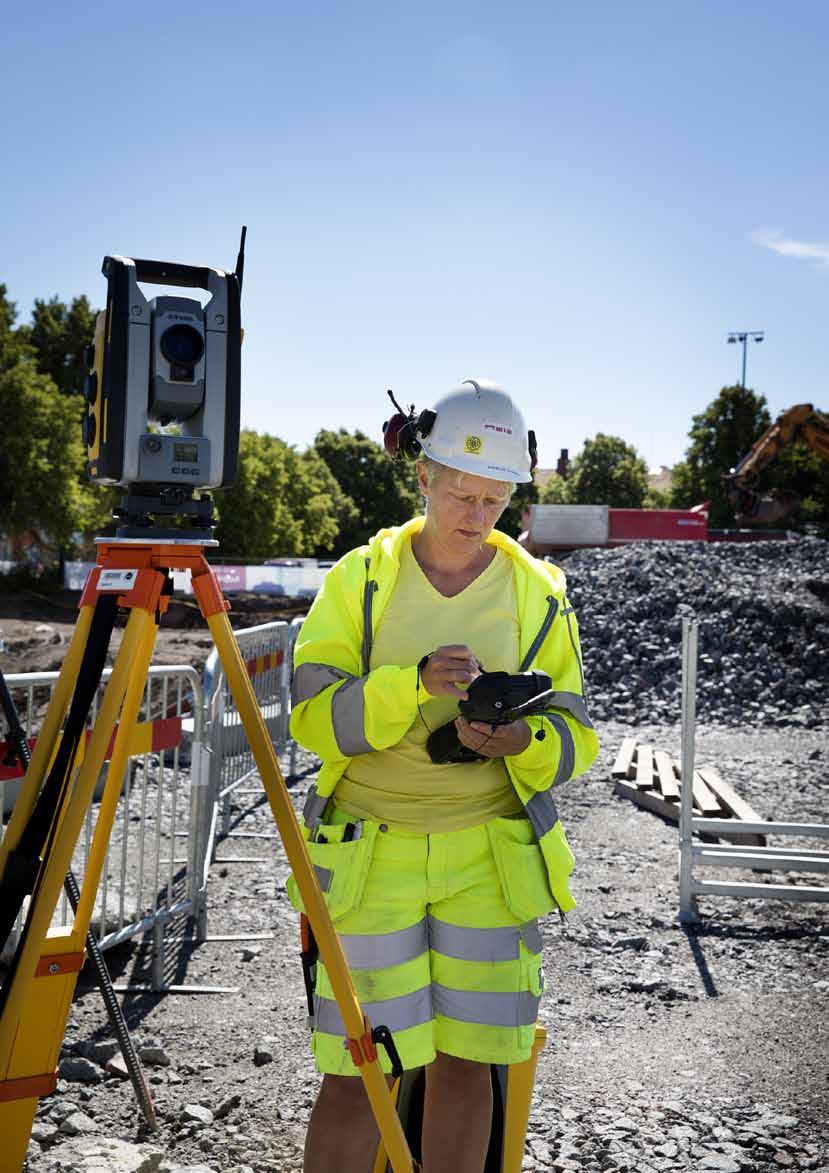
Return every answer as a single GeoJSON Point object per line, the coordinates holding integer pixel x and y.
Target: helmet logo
{"type": "Point", "coordinates": [473, 444]}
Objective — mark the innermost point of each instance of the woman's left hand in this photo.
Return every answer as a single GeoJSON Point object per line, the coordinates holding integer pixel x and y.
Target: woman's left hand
{"type": "Point", "coordinates": [494, 741]}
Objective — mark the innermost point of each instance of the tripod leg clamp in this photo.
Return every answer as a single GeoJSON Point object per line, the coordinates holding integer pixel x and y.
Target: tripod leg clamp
{"type": "Point", "coordinates": [363, 1050]}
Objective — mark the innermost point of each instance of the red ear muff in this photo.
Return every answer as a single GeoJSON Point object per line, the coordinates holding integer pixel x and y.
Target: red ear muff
{"type": "Point", "coordinates": [391, 434]}
{"type": "Point", "coordinates": [400, 433]}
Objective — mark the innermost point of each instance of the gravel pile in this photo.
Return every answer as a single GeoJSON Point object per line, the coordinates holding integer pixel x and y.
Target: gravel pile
{"type": "Point", "coordinates": [764, 629]}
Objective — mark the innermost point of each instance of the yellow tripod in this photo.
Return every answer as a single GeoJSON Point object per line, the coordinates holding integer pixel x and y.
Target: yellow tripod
{"type": "Point", "coordinates": [38, 995]}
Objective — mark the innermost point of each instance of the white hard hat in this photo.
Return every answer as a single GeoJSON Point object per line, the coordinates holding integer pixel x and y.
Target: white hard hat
{"type": "Point", "coordinates": [478, 429]}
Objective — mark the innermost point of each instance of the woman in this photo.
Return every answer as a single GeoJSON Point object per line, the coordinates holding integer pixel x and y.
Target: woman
{"type": "Point", "coordinates": [436, 875]}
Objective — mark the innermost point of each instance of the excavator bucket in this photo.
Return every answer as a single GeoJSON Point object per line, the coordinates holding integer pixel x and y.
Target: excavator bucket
{"type": "Point", "coordinates": [752, 509]}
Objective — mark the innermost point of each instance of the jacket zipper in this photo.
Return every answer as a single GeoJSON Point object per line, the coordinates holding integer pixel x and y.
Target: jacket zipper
{"type": "Point", "coordinates": [552, 609]}
{"type": "Point", "coordinates": [368, 600]}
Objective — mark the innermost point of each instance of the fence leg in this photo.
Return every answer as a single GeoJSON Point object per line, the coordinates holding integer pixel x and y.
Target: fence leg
{"type": "Point", "coordinates": [157, 963]}
{"type": "Point", "coordinates": [688, 910]}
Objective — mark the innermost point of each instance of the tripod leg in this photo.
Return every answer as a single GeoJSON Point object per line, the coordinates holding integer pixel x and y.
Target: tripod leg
{"type": "Point", "coordinates": [330, 949]}
{"type": "Point", "coordinates": [138, 669]}
{"type": "Point", "coordinates": [37, 1003]}
{"type": "Point", "coordinates": [17, 737]}
{"type": "Point", "coordinates": [49, 734]}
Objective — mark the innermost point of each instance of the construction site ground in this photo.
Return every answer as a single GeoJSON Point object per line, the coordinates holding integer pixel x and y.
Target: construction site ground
{"type": "Point", "coordinates": [36, 626]}
{"type": "Point", "coordinates": [670, 1047]}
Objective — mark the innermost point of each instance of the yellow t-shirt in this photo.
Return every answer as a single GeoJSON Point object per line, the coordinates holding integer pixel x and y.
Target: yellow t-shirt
{"type": "Point", "coordinates": [401, 786]}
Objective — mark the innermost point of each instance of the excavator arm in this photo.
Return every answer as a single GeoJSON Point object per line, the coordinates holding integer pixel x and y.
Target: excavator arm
{"type": "Point", "coordinates": [799, 424]}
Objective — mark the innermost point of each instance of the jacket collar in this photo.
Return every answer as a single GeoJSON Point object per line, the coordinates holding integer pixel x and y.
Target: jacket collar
{"type": "Point", "coordinates": [388, 544]}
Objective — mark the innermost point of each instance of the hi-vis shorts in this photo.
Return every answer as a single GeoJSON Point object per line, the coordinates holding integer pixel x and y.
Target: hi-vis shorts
{"type": "Point", "coordinates": [441, 936]}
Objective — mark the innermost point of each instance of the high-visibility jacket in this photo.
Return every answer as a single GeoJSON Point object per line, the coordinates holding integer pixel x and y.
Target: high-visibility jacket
{"type": "Point", "coordinates": [340, 708]}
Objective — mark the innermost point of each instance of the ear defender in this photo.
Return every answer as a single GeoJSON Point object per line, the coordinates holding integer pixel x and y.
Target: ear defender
{"type": "Point", "coordinates": [400, 433]}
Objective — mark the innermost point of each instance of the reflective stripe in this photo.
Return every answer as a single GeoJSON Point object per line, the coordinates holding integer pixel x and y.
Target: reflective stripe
{"type": "Point", "coordinates": [465, 944]}
{"type": "Point", "coordinates": [542, 812]}
{"type": "Point", "coordinates": [381, 950]}
{"type": "Point", "coordinates": [314, 809]}
{"type": "Point", "coordinates": [310, 680]}
{"type": "Point", "coordinates": [567, 760]}
{"type": "Point", "coordinates": [574, 704]}
{"type": "Point", "coordinates": [485, 1009]}
{"type": "Point", "coordinates": [348, 717]}
{"type": "Point", "coordinates": [396, 1013]}
{"type": "Point", "coordinates": [552, 608]}
{"type": "Point", "coordinates": [568, 611]}
{"type": "Point", "coordinates": [531, 936]}
{"type": "Point", "coordinates": [324, 877]}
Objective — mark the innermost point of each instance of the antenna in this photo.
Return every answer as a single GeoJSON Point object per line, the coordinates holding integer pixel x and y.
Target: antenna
{"type": "Point", "coordinates": [240, 260]}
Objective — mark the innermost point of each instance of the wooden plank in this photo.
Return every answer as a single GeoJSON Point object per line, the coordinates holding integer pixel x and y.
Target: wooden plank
{"type": "Point", "coordinates": [668, 783]}
{"type": "Point", "coordinates": [728, 796]}
{"type": "Point", "coordinates": [652, 801]}
{"type": "Point", "coordinates": [644, 767]}
{"type": "Point", "coordinates": [623, 766]}
{"type": "Point", "coordinates": [733, 803]}
{"type": "Point", "coordinates": [705, 800]}
{"type": "Point", "coordinates": [702, 795]}
{"type": "Point", "coordinates": [648, 799]}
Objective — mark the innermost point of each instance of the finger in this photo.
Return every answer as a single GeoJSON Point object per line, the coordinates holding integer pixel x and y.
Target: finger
{"type": "Point", "coordinates": [454, 652]}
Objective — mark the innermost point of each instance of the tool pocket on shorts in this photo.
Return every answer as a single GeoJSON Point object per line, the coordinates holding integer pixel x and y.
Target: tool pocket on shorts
{"type": "Point", "coordinates": [522, 869]}
{"type": "Point", "coordinates": [341, 867]}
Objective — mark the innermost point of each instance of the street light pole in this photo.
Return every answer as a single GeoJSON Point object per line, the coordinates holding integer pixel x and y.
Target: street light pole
{"type": "Point", "coordinates": [743, 336]}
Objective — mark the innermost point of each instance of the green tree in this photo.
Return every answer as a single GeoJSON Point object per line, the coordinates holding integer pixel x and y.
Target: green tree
{"type": "Point", "coordinates": [657, 499]}
{"type": "Point", "coordinates": [283, 502]}
{"type": "Point", "coordinates": [554, 491]}
{"type": "Point", "coordinates": [799, 470]}
{"type": "Point", "coordinates": [608, 471]}
{"type": "Point", "coordinates": [719, 437]}
{"type": "Point", "coordinates": [41, 456]}
{"type": "Point", "coordinates": [59, 336]}
{"type": "Point", "coordinates": [13, 346]}
{"type": "Point", "coordinates": [383, 491]}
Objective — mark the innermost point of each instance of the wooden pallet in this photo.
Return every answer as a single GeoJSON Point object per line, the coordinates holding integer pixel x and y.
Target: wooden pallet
{"type": "Point", "coordinates": [653, 780]}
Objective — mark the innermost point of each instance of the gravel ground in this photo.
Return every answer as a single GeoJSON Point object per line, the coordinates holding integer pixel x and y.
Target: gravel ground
{"type": "Point", "coordinates": [670, 1047]}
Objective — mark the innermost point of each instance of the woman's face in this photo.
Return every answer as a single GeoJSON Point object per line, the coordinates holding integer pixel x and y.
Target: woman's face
{"type": "Point", "coordinates": [462, 509]}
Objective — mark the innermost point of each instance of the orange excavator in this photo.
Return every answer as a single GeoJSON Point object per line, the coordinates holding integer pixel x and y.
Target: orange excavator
{"type": "Point", "coordinates": [800, 424]}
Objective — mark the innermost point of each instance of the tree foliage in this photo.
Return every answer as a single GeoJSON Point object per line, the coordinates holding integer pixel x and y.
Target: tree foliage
{"type": "Point", "coordinates": [383, 492]}
{"type": "Point", "coordinates": [284, 502]}
{"type": "Point", "coordinates": [41, 456]}
{"type": "Point", "coordinates": [719, 437]}
{"type": "Point", "coordinates": [608, 471]}
{"type": "Point", "coordinates": [59, 335]}
{"type": "Point", "coordinates": [554, 491]}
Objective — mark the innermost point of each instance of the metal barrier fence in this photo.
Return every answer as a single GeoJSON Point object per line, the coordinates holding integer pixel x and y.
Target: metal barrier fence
{"type": "Point", "coordinates": [170, 818]}
{"type": "Point", "coordinates": [268, 653]}
{"type": "Point", "coordinates": [764, 859]}
{"type": "Point", "coordinates": [145, 883]}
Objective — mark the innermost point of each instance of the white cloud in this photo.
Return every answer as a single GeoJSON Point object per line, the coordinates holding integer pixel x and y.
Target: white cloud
{"type": "Point", "coordinates": [803, 250]}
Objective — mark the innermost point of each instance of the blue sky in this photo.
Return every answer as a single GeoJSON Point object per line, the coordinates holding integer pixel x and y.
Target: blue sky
{"type": "Point", "coordinates": [577, 200]}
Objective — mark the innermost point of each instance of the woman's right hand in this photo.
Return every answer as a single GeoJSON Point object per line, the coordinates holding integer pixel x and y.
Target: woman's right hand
{"type": "Point", "coordinates": [448, 670]}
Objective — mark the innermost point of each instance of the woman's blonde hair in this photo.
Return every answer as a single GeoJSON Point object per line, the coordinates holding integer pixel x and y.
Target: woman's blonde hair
{"type": "Point", "coordinates": [433, 469]}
